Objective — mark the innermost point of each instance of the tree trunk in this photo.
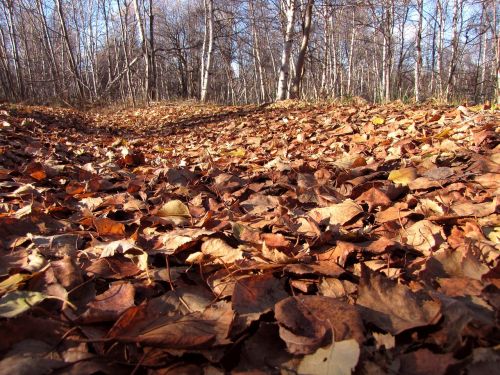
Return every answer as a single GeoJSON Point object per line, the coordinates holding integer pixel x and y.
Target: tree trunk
{"type": "Point", "coordinates": [497, 44]}
{"type": "Point", "coordinates": [454, 49]}
{"type": "Point", "coordinates": [257, 56]}
{"type": "Point", "coordinates": [154, 78]}
{"type": "Point", "coordinates": [418, 48]}
{"type": "Point", "coordinates": [299, 66]}
{"type": "Point", "coordinates": [282, 90]}
{"type": "Point", "coordinates": [125, 43]}
{"type": "Point", "coordinates": [350, 57]}
{"type": "Point", "coordinates": [72, 62]}
{"type": "Point", "coordinates": [208, 43]}
{"type": "Point", "coordinates": [15, 48]}
{"type": "Point", "coordinates": [144, 46]}
{"type": "Point", "coordinates": [50, 49]}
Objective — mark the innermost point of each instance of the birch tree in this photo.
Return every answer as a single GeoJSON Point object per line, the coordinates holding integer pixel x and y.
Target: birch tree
{"type": "Point", "coordinates": [208, 43]}
{"type": "Point", "coordinates": [282, 90]}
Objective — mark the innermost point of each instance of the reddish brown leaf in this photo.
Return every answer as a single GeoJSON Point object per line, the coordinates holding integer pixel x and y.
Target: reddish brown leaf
{"type": "Point", "coordinates": [108, 227]}
{"type": "Point", "coordinates": [109, 305]}
{"type": "Point", "coordinates": [393, 307]}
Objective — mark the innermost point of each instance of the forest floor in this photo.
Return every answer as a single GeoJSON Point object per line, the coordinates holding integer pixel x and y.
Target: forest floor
{"type": "Point", "coordinates": [288, 238]}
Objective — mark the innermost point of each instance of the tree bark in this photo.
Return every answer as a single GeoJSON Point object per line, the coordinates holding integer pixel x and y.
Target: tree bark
{"type": "Point", "coordinates": [9, 4]}
{"type": "Point", "coordinates": [418, 49]}
{"type": "Point", "coordinates": [299, 66]}
{"type": "Point", "coordinates": [282, 90]}
{"type": "Point", "coordinates": [153, 77]}
{"type": "Point", "coordinates": [208, 43]}
{"type": "Point", "coordinates": [72, 61]}
{"type": "Point", "coordinates": [454, 49]}
{"type": "Point", "coordinates": [144, 46]}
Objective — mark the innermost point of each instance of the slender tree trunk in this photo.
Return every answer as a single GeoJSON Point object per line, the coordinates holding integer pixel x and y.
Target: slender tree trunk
{"type": "Point", "coordinates": [418, 48]}
{"type": "Point", "coordinates": [9, 88]}
{"type": "Point", "coordinates": [299, 66]}
{"type": "Point", "coordinates": [257, 55]}
{"type": "Point", "coordinates": [108, 46]}
{"type": "Point", "coordinates": [125, 44]}
{"type": "Point", "coordinates": [154, 78]}
{"type": "Point", "coordinates": [208, 43]}
{"type": "Point", "coordinates": [15, 48]}
{"type": "Point", "coordinates": [387, 63]}
{"type": "Point", "coordinates": [282, 90]}
{"type": "Point", "coordinates": [50, 49]}
{"type": "Point", "coordinates": [454, 48]}
{"type": "Point", "coordinates": [433, 57]}
{"type": "Point", "coordinates": [350, 57]}
{"type": "Point", "coordinates": [497, 44]}
{"type": "Point", "coordinates": [72, 61]}
{"type": "Point", "coordinates": [144, 46]}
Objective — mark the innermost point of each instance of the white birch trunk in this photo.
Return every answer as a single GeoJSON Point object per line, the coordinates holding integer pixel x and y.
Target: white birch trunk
{"type": "Point", "coordinates": [281, 92]}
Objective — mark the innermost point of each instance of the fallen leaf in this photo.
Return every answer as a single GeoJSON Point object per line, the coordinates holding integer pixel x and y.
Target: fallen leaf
{"type": "Point", "coordinates": [393, 307]}
{"type": "Point", "coordinates": [340, 358]}
{"type": "Point", "coordinates": [257, 294]}
{"type": "Point", "coordinates": [176, 211]}
{"type": "Point", "coordinates": [338, 214]}
{"type": "Point", "coordinates": [109, 305]}
{"type": "Point", "coordinates": [108, 227]}
{"type": "Point", "coordinates": [17, 302]}
{"type": "Point", "coordinates": [424, 236]}
{"type": "Point", "coordinates": [220, 251]}
{"type": "Point", "coordinates": [403, 176]}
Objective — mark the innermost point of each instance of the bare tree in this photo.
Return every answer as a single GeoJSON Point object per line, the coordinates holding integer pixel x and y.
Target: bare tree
{"type": "Point", "coordinates": [245, 52]}
{"type": "Point", "coordinates": [299, 65]}
{"type": "Point", "coordinates": [208, 43]}
{"type": "Point", "coordinates": [289, 9]}
{"type": "Point", "coordinates": [69, 50]}
{"type": "Point", "coordinates": [418, 49]}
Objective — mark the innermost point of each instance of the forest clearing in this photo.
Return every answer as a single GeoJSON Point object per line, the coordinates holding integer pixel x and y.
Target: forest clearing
{"type": "Point", "coordinates": [283, 238]}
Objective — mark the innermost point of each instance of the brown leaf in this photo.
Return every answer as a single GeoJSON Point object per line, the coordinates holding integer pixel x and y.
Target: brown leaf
{"type": "Point", "coordinates": [424, 236]}
{"type": "Point", "coordinates": [375, 198]}
{"type": "Point", "coordinates": [37, 171]}
{"type": "Point", "coordinates": [109, 305]}
{"type": "Point", "coordinates": [306, 322]}
{"type": "Point", "coordinates": [67, 273]}
{"type": "Point", "coordinates": [340, 213]}
{"type": "Point", "coordinates": [196, 330]}
{"type": "Point", "coordinates": [108, 227]}
{"type": "Point", "coordinates": [275, 240]}
{"type": "Point", "coordinates": [423, 362]}
{"type": "Point", "coordinates": [117, 267]}
{"type": "Point", "coordinates": [257, 294]}
{"type": "Point", "coordinates": [181, 239]}
{"type": "Point", "coordinates": [220, 251]}
{"type": "Point", "coordinates": [393, 307]}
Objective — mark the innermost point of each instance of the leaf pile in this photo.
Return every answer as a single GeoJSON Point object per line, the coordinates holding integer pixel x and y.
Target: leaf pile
{"type": "Point", "coordinates": [290, 238]}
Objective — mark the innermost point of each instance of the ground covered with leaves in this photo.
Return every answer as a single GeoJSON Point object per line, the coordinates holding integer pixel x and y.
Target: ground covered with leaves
{"type": "Point", "coordinates": [289, 238]}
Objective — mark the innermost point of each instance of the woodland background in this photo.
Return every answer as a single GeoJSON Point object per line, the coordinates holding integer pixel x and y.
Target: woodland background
{"type": "Point", "coordinates": [248, 51]}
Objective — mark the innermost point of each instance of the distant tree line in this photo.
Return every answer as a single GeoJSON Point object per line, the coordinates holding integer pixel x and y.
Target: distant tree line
{"type": "Point", "coordinates": [248, 51]}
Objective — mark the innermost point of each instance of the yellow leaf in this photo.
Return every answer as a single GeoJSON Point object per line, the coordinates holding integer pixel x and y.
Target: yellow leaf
{"type": "Point", "coordinates": [238, 153]}
{"type": "Point", "coordinates": [377, 120]}
{"type": "Point", "coordinates": [444, 133]}
{"type": "Point", "coordinates": [176, 211]}
{"type": "Point", "coordinates": [16, 303]}
{"type": "Point", "coordinates": [493, 234]}
{"type": "Point", "coordinates": [12, 282]}
{"type": "Point", "coordinates": [403, 176]}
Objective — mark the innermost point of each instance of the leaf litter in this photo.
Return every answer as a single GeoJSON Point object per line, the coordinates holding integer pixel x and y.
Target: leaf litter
{"type": "Point", "coordinates": [288, 238]}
